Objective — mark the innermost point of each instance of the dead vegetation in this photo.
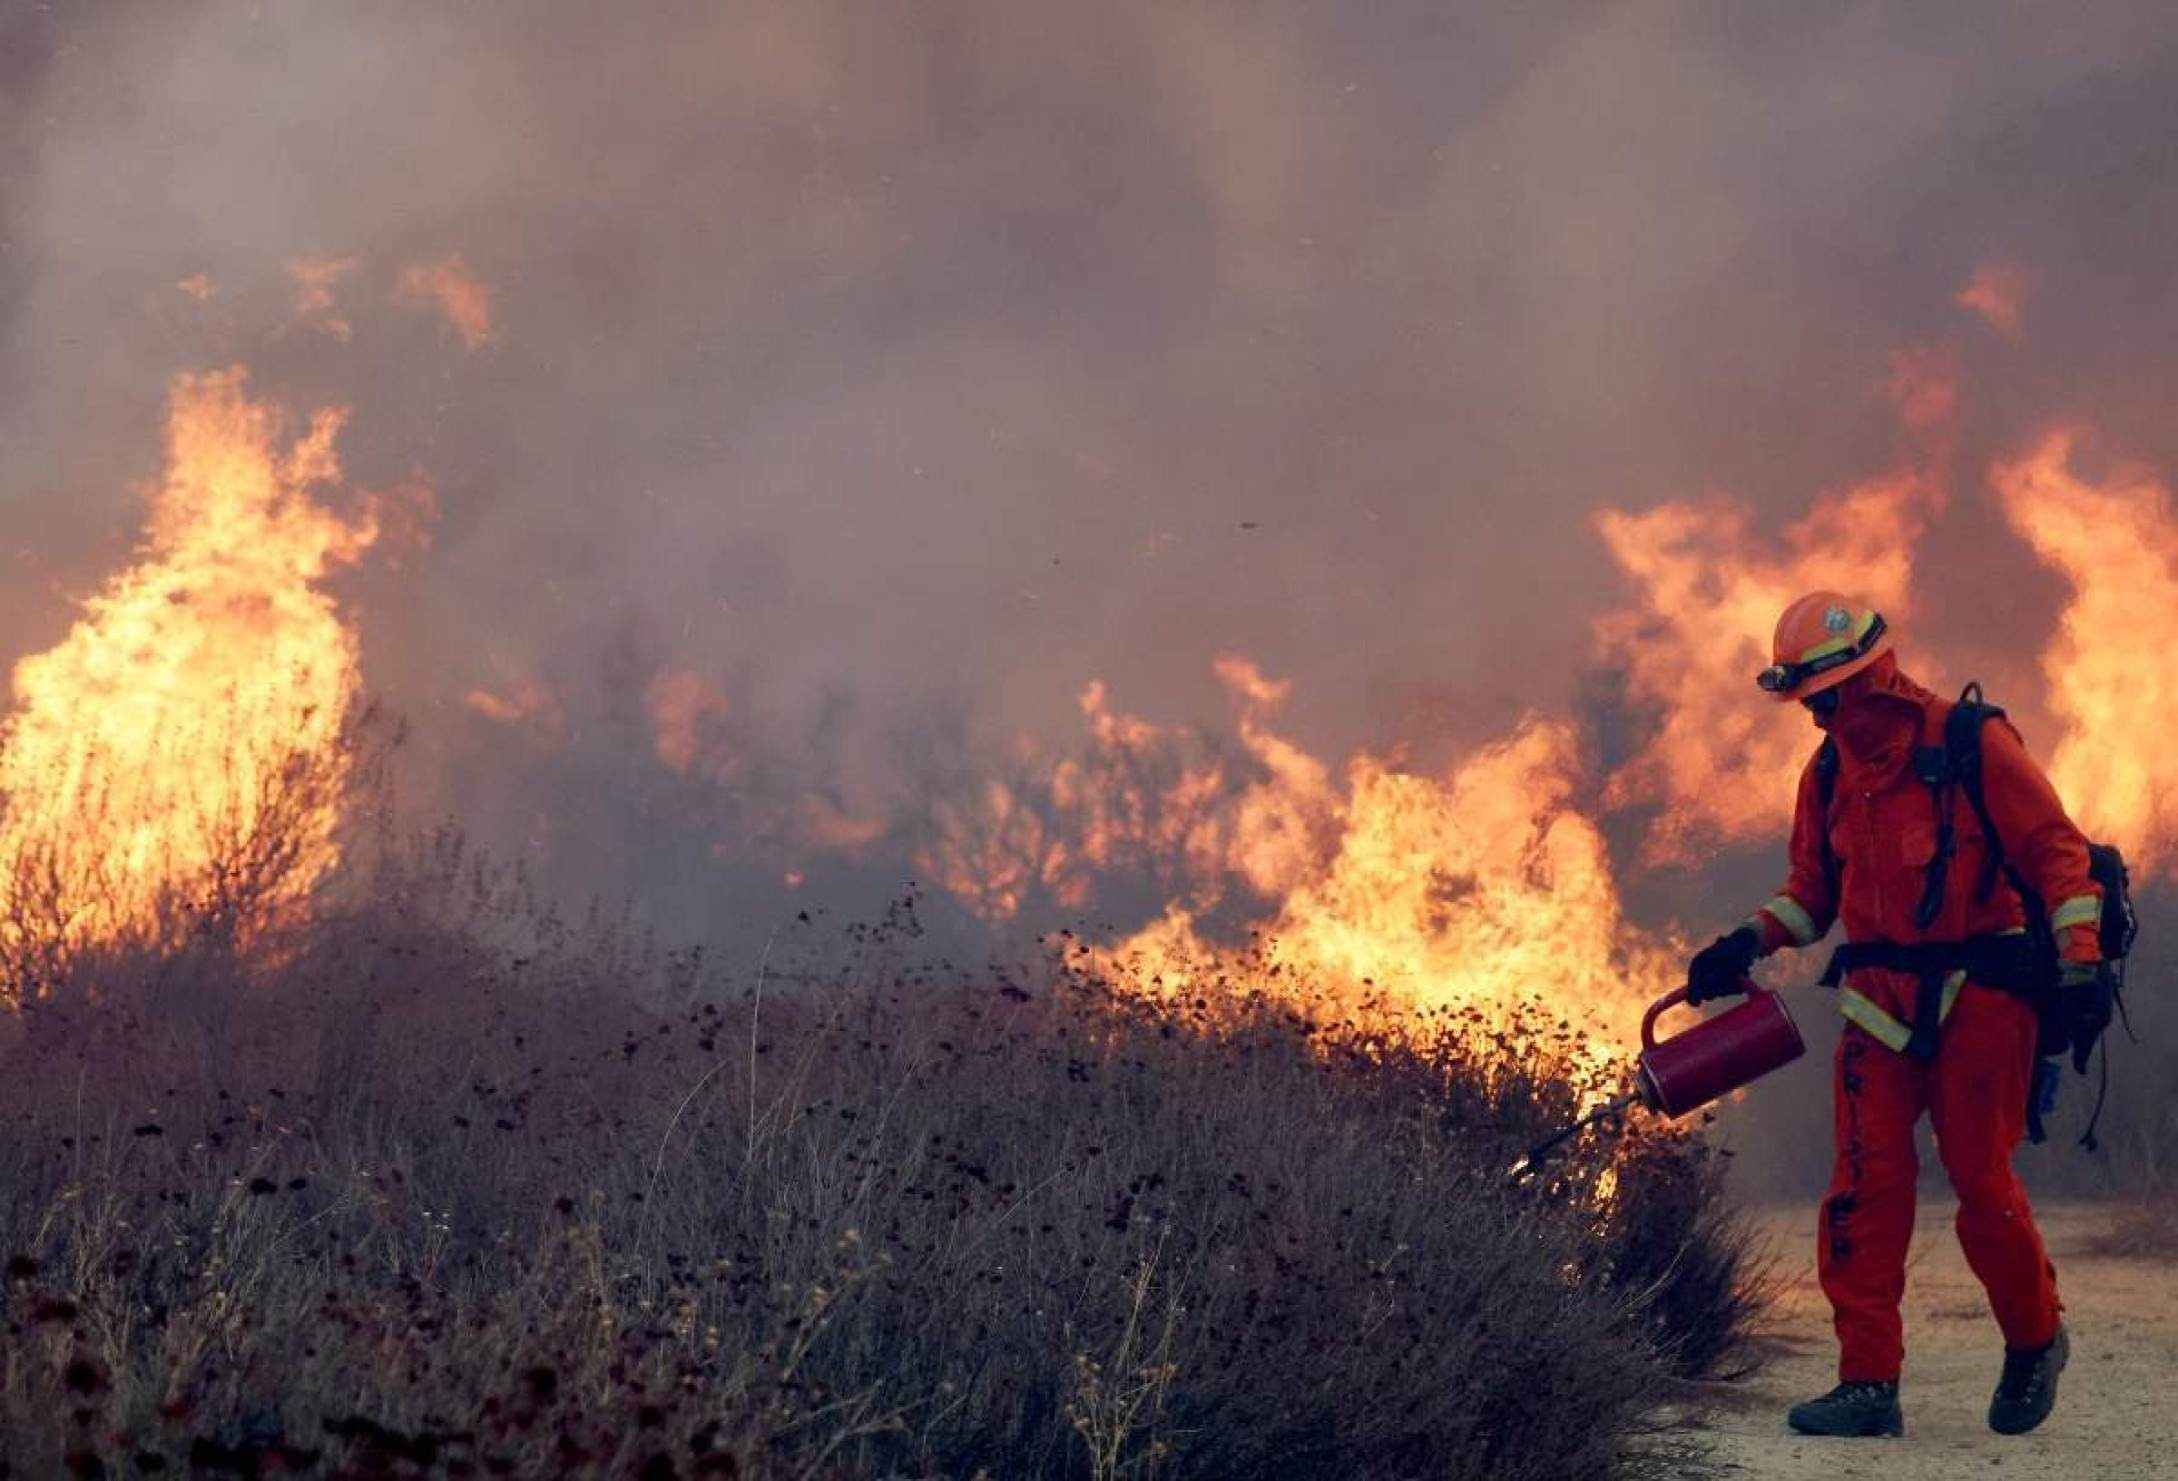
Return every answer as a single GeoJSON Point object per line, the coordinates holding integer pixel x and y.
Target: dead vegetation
{"type": "Point", "coordinates": [2144, 1225]}
{"type": "Point", "coordinates": [454, 1186]}
{"type": "Point", "coordinates": [2137, 1162]}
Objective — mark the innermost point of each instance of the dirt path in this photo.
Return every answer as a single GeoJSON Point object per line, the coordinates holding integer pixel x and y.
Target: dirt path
{"type": "Point", "coordinates": [2117, 1412]}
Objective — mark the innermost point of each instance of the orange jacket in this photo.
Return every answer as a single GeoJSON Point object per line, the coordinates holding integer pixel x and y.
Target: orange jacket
{"type": "Point", "coordinates": [1882, 827]}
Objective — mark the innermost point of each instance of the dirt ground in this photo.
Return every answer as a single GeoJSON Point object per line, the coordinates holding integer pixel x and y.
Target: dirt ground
{"type": "Point", "coordinates": [2117, 1408]}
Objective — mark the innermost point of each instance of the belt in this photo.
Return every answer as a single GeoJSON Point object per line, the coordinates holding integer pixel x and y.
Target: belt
{"type": "Point", "coordinates": [2008, 961]}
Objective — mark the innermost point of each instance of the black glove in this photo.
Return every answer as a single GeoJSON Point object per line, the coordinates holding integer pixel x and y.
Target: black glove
{"type": "Point", "coordinates": [2088, 1003]}
{"type": "Point", "coordinates": [1719, 970]}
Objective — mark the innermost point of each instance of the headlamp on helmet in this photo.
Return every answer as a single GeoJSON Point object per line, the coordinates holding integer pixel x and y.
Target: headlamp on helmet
{"type": "Point", "coordinates": [1784, 678]}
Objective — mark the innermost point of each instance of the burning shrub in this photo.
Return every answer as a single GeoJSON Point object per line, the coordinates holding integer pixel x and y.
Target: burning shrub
{"type": "Point", "coordinates": [177, 761]}
{"type": "Point", "coordinates": [444, 1196]}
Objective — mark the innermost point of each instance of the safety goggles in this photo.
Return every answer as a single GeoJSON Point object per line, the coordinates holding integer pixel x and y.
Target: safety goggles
{"type": "Point", "coordinates": [1783, 678]}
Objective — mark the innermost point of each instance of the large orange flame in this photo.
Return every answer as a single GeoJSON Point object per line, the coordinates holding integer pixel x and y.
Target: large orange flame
{"type": "Point", "coordinates": [1469, 893]}
{"type": "Point", "coordinates": [1472, 893]}
{"type": "Point", "coordinates": [1707, 588]}
{"type": "Point", "coordinates": [188, 729]}
{"type": "Point", "coordinates": [2108, 666]}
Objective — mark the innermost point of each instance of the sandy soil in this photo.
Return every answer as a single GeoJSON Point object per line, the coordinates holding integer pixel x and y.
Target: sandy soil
{"type": "Point", "coordinates": [2117, 1408]}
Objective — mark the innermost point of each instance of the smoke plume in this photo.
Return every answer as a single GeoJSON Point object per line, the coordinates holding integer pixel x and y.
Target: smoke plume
{"type": "Point", "coordinates": [819, 400]}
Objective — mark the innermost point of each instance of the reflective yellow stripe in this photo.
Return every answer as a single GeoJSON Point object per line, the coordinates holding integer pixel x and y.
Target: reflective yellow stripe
{"type": "Point", "coordinates": [2080, 910]}
{"type": "Point", "coordinates": [1797, 922]}
{"type": "Point", "coordinates": [1843, 641]}
{"type": "Point", "coordinates": [1867, 1015]}
{"type": "Point", "coordinates": [1860, 1009]}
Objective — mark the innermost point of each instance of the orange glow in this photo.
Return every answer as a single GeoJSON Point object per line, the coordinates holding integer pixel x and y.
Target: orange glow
{"type": "Point", "coordinates": [827, 825]}
{"type": "Point", "coordinates": [524, 702]}
{"type": "Point", "coordinates": [459, 295]}
{"type": "Point", "coordinates": [1708, 586]}
{"type": "Point", "coordinates": [193, 718]}
{"type": "Point", "coordinates": [1998, 292]}
{"type": "Point", "coordinates": [1923, 389]}
{"type": "Point", "coordinates": [685, 710]}
{"type": "Point", "coordinates": [2108, 666]}
{"type": "Point", "coordinates": [991, 850]}
{"type": "Point", "coordinates": [316, 305]}
{"type": "Point", "coordinates": [1154, 803]}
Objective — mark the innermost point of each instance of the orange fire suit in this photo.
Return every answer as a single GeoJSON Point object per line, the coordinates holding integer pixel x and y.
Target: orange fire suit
{"type": "Point", "coordinates": [1882, 829]}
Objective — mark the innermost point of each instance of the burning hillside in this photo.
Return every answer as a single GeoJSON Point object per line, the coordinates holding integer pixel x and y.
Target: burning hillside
{"type": "Point", "coordinates": [1250, 525]}
{"type": "Point", "coordinates": [199, 705]}
{"type": "Point", "coordinates": [851, 477]}
{"type": "Point", "coordinates": [1369, 888]}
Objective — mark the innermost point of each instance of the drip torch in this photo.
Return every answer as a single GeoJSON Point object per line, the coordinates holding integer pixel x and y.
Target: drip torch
{"type": "Point", "coordinates": [1690, 1069]}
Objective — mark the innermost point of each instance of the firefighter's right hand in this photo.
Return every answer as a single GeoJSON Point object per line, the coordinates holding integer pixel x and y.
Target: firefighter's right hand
{"type": "Point", "coordinates": [1719, 970]}
{"type": "Point", "coordinates": [2090, 1000]}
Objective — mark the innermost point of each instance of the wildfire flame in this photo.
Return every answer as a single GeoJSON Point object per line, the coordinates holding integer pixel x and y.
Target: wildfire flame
{"type": "Point", "coordinates": [316, 282]}
{"type": "Point", "coordinates": [187, 730]}
{"type": "Point", "coordinates": [685, 712]}
{"type": "Point", "coordinates": [1486, 887]}
{"type": "Point", "coordinates": [197, 708]}
{"type": "Point", "coordinates": [1998, 292]}
{"type": "Point", "coordinates": [1708, 589]}
{"type": "Point", "coordinates": [527, 701]}
{"type": "Point", "coordinates": [1482, 887]}
{"type": "Point", "coordinates": [1156, 802]}
{"type": "Point", "coordinates": [459, 295]}
{"type": "Point", "coordinates": [1471, 893]}
{"type": "Point", "coordinates": [2107, 666]}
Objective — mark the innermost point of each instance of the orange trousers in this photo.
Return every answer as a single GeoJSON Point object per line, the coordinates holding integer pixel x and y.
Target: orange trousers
{"type": "Point", "coordinates": [1975, 1092]}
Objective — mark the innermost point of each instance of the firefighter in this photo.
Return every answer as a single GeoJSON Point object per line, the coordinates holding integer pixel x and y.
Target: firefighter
{"type": "Point", "coordinates": [1939, 1000]}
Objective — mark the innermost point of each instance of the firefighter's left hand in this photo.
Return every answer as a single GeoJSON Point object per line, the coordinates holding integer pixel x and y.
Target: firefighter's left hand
{"type": "Point", "coordinates": [1719, 970]}
{"type": "Point", "coordinates": [2090, 998]}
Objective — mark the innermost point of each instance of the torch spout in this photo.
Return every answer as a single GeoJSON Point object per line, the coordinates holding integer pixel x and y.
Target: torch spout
{"type": "Point", "coordinates": [1541, 1150]}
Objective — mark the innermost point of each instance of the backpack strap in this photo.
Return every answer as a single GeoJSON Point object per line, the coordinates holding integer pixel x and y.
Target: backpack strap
{"type": "Point", "coordinates": [1962, 747]}
{"type": "Point", "coordinates": [1939, 771]}
{"type": "Point", "coordinates": [1826, 791]}
{"type": "Point", "coordinates": [1962, 750]}
{"type": "Point", "coordinates": [1957, 763]}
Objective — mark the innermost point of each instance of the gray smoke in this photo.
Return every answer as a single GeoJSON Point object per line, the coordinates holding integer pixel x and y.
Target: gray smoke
{"type": "Point", "coordinates": [898, 369]}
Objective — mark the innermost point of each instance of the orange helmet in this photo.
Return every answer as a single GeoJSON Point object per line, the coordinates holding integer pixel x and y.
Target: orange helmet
{"type": "Point", "coordinates": [1822, 640]}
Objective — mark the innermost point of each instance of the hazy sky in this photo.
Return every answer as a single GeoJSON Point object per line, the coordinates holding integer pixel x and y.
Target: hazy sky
{"type": "Point", "coordinates": [898, 369]}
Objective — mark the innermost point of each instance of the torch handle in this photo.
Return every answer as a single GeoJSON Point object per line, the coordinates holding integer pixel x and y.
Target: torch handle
{"type": "Point", "coordinates": [1662, 1005]}
{"type": "Point", "coordinates": [1671, 1000]}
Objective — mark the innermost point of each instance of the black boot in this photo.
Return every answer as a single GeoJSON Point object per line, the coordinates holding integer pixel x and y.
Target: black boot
{"type": "Point", "coordinates": [1851, 1409]}
{"type": "Point", "coordinates": [2028, 1390]}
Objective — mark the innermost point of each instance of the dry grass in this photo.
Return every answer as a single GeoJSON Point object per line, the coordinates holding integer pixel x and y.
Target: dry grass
{"type": "Point", "coordinates": [448, 1185]}
{"type": "Point", "coordinates": [2142, 1227]}
{"type": "Point", "coordinates": [2138, 1161]}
